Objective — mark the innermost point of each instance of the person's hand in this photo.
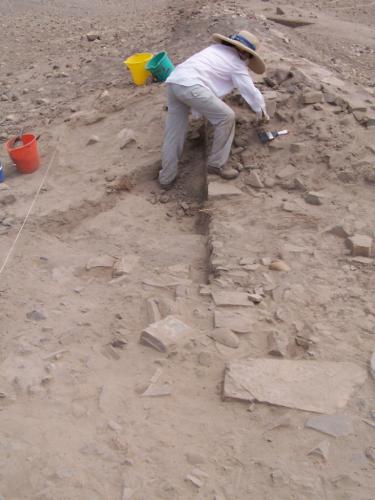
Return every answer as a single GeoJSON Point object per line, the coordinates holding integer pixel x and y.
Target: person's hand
{"type": "Point", "coordinates": [262, 116]}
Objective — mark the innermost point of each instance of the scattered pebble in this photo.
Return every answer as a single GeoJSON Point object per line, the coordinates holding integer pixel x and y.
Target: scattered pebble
{"type": "Point", "coordinates": [92, 36]}
{"type": "Point", "coordinates": [94, 139]}
{"type": "Point", "coordinates": [279, 265]}
{"type": "Point", "coordinates": [314, 198]}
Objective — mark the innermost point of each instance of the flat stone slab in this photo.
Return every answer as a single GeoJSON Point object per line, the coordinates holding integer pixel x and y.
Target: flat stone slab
{"type": "Point", "coordinates": [235, 321]}
{"type": "Point", "coordinates": [317, 386]}
{"type": "Point", "coordinates": [231, 299]}
{"type": "Point", "coordinates": [333, 425]}
{"type": "Point", "coordinates": [165, 335]}
{"type": "Point", "coordinates": [220, 190]}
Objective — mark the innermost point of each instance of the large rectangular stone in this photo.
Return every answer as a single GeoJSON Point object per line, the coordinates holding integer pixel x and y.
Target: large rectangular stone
{"type": "Point", "coordinates": [317, 386]}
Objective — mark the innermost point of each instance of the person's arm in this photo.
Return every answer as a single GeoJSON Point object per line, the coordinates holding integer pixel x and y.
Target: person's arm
{"type": "Point", "coordinates": [254, 98]}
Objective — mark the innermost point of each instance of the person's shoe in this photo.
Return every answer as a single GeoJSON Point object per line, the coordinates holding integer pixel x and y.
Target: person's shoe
{"type": "Point", "coordinates": [168, 186]}
{"type": "Point", "coordinates": [225, 172]}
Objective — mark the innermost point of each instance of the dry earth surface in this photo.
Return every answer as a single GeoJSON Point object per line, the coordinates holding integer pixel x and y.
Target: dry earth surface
{"type": "Point", "coordinates": [87, 412]}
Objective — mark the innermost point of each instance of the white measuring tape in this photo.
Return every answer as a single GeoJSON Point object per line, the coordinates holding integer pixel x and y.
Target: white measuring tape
{"type": "Point", "coordinates": [28, 212]}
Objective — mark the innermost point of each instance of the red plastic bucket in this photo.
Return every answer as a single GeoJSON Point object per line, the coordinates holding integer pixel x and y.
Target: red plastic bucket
{"type": "Point", "coordinates": [25, 157]}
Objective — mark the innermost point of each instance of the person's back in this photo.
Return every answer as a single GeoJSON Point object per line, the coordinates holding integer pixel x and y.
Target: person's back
{"type": "Point", "coordinates": [212, 67]}
{"type": "Point", "coordinates": [198, 84]}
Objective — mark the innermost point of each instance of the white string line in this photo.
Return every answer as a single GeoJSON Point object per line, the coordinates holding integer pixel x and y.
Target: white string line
{"type": "Point", "coordinates": [28, 212]}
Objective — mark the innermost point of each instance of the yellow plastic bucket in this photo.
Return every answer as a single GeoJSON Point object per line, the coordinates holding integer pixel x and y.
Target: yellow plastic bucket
{"type": "Point", "coordinates": [137, 67]}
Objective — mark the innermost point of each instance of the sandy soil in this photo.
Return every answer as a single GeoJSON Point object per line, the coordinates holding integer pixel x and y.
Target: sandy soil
{"type": "Point", "coordinates": [74, 423]}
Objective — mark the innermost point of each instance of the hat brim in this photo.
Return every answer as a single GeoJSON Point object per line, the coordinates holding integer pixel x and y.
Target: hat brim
{"type": "Point", "coordinates": [256, 63]}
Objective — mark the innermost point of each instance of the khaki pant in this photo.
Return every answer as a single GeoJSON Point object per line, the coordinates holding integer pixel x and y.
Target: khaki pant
{"type": "Point", "coordinates": [180, 100]}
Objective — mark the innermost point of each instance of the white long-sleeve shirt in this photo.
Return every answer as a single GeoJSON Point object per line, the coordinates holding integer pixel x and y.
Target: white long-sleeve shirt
{"type": "Point", "coordinates": [220, 69]}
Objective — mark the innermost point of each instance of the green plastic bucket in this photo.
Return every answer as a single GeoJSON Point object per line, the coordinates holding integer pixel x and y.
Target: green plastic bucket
{"type": "Point", "coordinates": [160, 66]}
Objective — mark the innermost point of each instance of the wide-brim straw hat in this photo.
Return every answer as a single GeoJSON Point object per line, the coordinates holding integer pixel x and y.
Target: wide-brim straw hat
{"type": "Point", "coordinates": [248, 43]}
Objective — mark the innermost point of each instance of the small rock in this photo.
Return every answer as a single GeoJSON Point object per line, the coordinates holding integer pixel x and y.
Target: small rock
{"type": "Point", "coordinates": [253, 180]}
{"type": "Point", "coordinates": [360, 245]}
{"type": "Point", "coordinates": [94, 139]}
{"type": "Point", "coordinates": [279, 265]}
{"type": "Point", "coordinates": [87, 117]}
{"type": "Point", "coordinates": [92, 36]}
{"type": "Point", "coordinates": [314, 198]}
{"type": "Point", "coordinates": [225, 336]}
{"type": "Point", "coordinates": [312, 97]}
{"type": "Point", "coordinates": [318, 107]}
{"type": "Point", "coordinates": [285, 172]}
{"type": "Point", "coordinates": [255, 298]}
{"type": "Point", "coordinates": [43, 101]}
{"type": "Point", "coordinates": [114, 426]}
{"type": "Point", "coordinates": [195, 480]}
{"type": "Point", "coordinates": [321, 451]}
{"type": "Point", "coordinates": [299, 184]}
{"type": "Point", "coordinates": [164, 198]}
{"type": "Point", "coordinates": [278, 344]}
{"type": "Point", "coordinates": [269, 182]}
{"type": "Point", "coordinates": [280, 11]}
{"type": "Point", "coordinates": [288, 206]}
{"type": "Point", "coordinates": [266, 261]}
{"type": "Point", "coordinates": [125, 137]}
{"type": "Point", "coordinates": [101, 261]}
{"type": "Point", "coordinates": [219, 190]}
{"type": "Point", "coordinates": [104, 96]}
{"type": "Point", "coordinates": [370, 453]}
{"type": "Point", "coordinates": [36, 315]}
{"type": "Point", "coordinates": [334, 425]}
{"type": "Point", "coordinates": [4, 98]}
{"type": "Point", "coordinates": [205, 290]}
{"type": "Point", "coordinates": [153, 311]}
{"type": "Point", "coordinates": [341, 230]}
